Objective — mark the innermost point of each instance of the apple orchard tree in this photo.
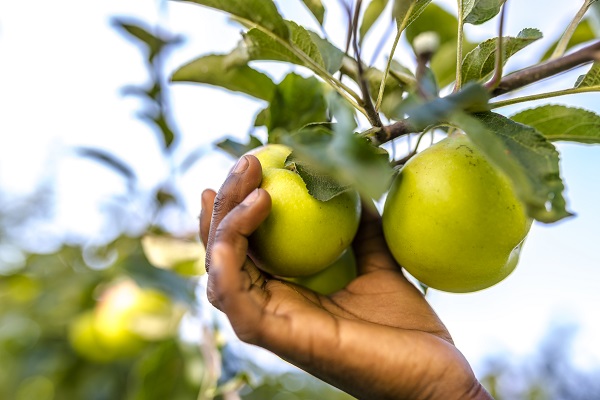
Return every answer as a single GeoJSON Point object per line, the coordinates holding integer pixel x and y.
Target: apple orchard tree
{"type": "Point", "coordinates": [342, 115]}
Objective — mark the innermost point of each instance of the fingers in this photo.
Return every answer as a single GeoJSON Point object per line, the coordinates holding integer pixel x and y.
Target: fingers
{"type": "Point", "coordinates": [208, 199]}
{"type": "Point", "coordinates": [370, 248]}
{"type": "Point", "coordinates": [235, 285]}
{"type": "Point", "coordinates": [243, 179]}
{"type": "Point", "coordinates": [241, 221]}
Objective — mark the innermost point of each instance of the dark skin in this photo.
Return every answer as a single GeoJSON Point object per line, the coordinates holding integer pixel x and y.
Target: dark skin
{"type": "Point", "coordinates": [376, 339]}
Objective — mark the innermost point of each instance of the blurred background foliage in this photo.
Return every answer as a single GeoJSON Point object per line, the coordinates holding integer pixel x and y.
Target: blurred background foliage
{"type": "Point", "coordinates": [122, 319]}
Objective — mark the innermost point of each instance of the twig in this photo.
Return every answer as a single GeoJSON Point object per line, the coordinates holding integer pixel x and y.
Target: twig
{"type": "Point", "coordinates": [393, 131]}
{"type": "Point", "coordinates": [541, 96]}
{"type": "Point", "coordinates": [562, 44]}
{"type": "Point", "coordinates": [495, 81]}
{"type": "Point", "coordinates": [459, 46]}
{"type": "Point", "coordinates": [367, 103]}
{"type": "Point", "coordinates": [536, 73]}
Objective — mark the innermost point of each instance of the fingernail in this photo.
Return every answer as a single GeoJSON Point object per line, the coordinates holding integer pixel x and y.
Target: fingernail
{"type": "Point", "coordinates": [241, 166]}
{"type": "Point", "coordinates": [251, 198]}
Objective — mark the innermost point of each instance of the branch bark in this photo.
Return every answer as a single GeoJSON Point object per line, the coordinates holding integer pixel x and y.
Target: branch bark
{"type": "Point", "coordinates": [530, 75]}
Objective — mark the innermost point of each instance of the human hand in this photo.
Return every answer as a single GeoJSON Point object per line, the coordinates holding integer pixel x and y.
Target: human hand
{"type": "Point", "coordinates": [376, 339]}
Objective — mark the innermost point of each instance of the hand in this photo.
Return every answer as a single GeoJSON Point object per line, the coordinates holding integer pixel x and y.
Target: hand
{"type": "Point", "coordinates": [376, 339]}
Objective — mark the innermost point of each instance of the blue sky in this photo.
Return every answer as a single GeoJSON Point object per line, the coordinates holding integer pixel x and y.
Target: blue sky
{"type": "Point", "coordinates": [60, 77]}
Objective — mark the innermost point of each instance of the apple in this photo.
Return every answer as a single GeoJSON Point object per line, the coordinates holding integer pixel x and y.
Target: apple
{"type": "Point", "coordinates": [85, 339]}
{"type": "Point", "coordinates": [302, 235]}
{"type": "Point", "coordinates": [125, 319]}
{"type": "Point", "coordinates": [333, 278]}
{"type": "Point", "coordinates": [452, 220]}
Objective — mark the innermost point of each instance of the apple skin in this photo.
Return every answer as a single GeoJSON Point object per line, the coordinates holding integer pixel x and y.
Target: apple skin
{"type": "Point", "coordinates": [302, 235]}
{"type": "Point", "coordinates": [452, 220]}
{"type": "Point", "coordinates": [333, 278]}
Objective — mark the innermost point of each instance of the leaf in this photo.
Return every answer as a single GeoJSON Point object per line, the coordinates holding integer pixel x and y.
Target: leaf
{"type": "Point", "coordinates": [467, 6]}
{"type": "Point", "coordinates": [405, 12]}
{"type": "Point", "coordinates": [109, 160]}
{"type": "Point", "coordinates": [261, 13]}
{"type": "Point", "coordinates": [296, 102]}
{"type": "Point", "coordinates": [479, 63]}
{"type": "Point", "coordinates": [370, 16]}
{"type": "Point", "coordinates": [591, 79]}
{"type": "Point", "coordinates": [434, 19]}
{"type": "Point", "coordinates": [214, 70]}
{"type": "Point", "coordinates": [316, 8]}
{"type": "Point", "coordinates": [526, 158]}
{"type": "Point", "coordinates": [159, 120]}
{"type": "Point", "coordinates": [321, 185]}
{"type": "Point", "coordinates": [472, 97]}
{"type": "Point", "coordinates": [331, 55]}
{"type": "Point", "coordinates": [237, 149]}
{"type": "Point", "coordinates": [445, 25]}
{"type": "Point", "coordinates": [260, 46]}
{"type": "Point", "coordinates": [346, 157]}
{"type": "Point", "coordinates": [583, 33]}
{"type": "Point", "coordinates": [483, 10]}
{"type": "Point", "coordinates": [401, 9]}
{"type": "Point", "coordinates": [562, 123]}
{"type": "Point", "coordinates": [154, 42]}
{"type": "Point", "coordinates": [445, 72]}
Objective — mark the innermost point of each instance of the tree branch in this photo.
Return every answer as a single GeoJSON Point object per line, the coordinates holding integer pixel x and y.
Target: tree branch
{"type": "Point", "coordinates": [393, 131]}
{"type": "Point", "coordinates": [372, 114]}
{"type": "Point", "coordinates": [530, 75]}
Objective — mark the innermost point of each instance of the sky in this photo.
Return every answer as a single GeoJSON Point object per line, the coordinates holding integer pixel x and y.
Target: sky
{"type": "Point", "coordinates": [62, 67]}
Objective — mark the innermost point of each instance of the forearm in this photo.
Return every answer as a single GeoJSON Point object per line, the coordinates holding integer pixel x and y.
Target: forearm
{"type": "Point", "coordinates": [378, 362]}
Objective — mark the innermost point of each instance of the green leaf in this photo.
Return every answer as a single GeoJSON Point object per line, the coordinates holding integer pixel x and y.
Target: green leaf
{"type": "Point", "coordinates": [346, 157]}
{"type": "Point", "coordinates": [434, 19]}
{"type": "Point", "coordinates": [109, 160]}
{"type": "Point", "coordinates": [349, 161]}
{"type": "Point", "coordinates": [466, 7]}
{"type": "Point", "coordinates": [154, 42]}
{"type": "Point", "coordinates": [591, 79]}
{"type": "Point", "coordinates": [215, 70]}
{"type": "Point", "coordinates": [371, 15]}
{"type": "Point", "coordinates": [445, 72]}
{"type": "Point", "coordinates": [479, 63]}
{"type": "Point", "coordinates": [237, 149]}
{"type": "Point", "coordinates": [260, 46]}
{"type": "Point", "coordinates": [331, 55]}
{"type": "Point", "coordinates": [296, 102]}
{"type": "Point", "coordinates": [405, 12]}
{"type": "Point", "coordinates": [316, 8]}
{"type": "Point", "coordinates": [562, 123]}
{"type": "Point", "coordinates": [262, 13]}
{"type": "Point", "coordinates": [472, 97]}
{"type": "Point", "coordinates": [483, 10]}
{"type": "Point", "coordinates": [321, 185]}
{"type": "Point", "coordinates": [529, 160]}
{"type": "Point", "coordinates": [583, 33]}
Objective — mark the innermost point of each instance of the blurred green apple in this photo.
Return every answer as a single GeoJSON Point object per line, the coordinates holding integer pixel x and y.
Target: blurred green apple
{"type": "Point", "coordinates": [125, 319]}
{"type": "Point", "coordinates": [302, 235]}
{"type": "Point", "coordinates": [331, 279]}
{"type": "Point", "coordinates": [452, 220]}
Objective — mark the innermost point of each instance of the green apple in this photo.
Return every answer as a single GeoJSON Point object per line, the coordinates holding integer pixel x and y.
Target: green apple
{"type": "Point", "coordinates": [302, 235]}
{"type": "Point", "coordinates": [125, 319]}
{"type": "Point", "coordinates": [85, 340]}
{"type": "Point", "coordinates": [331, 279]}
{"type": "Point", "coordinates": [453, 220]}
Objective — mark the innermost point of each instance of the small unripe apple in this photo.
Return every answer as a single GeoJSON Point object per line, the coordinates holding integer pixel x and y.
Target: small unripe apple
{"type": "Point", "coordinates": [302, 235]}
{"type": "Point", "coordinates": [333, 278]}
{"type": "Point", "coordinates": [452, 220]}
